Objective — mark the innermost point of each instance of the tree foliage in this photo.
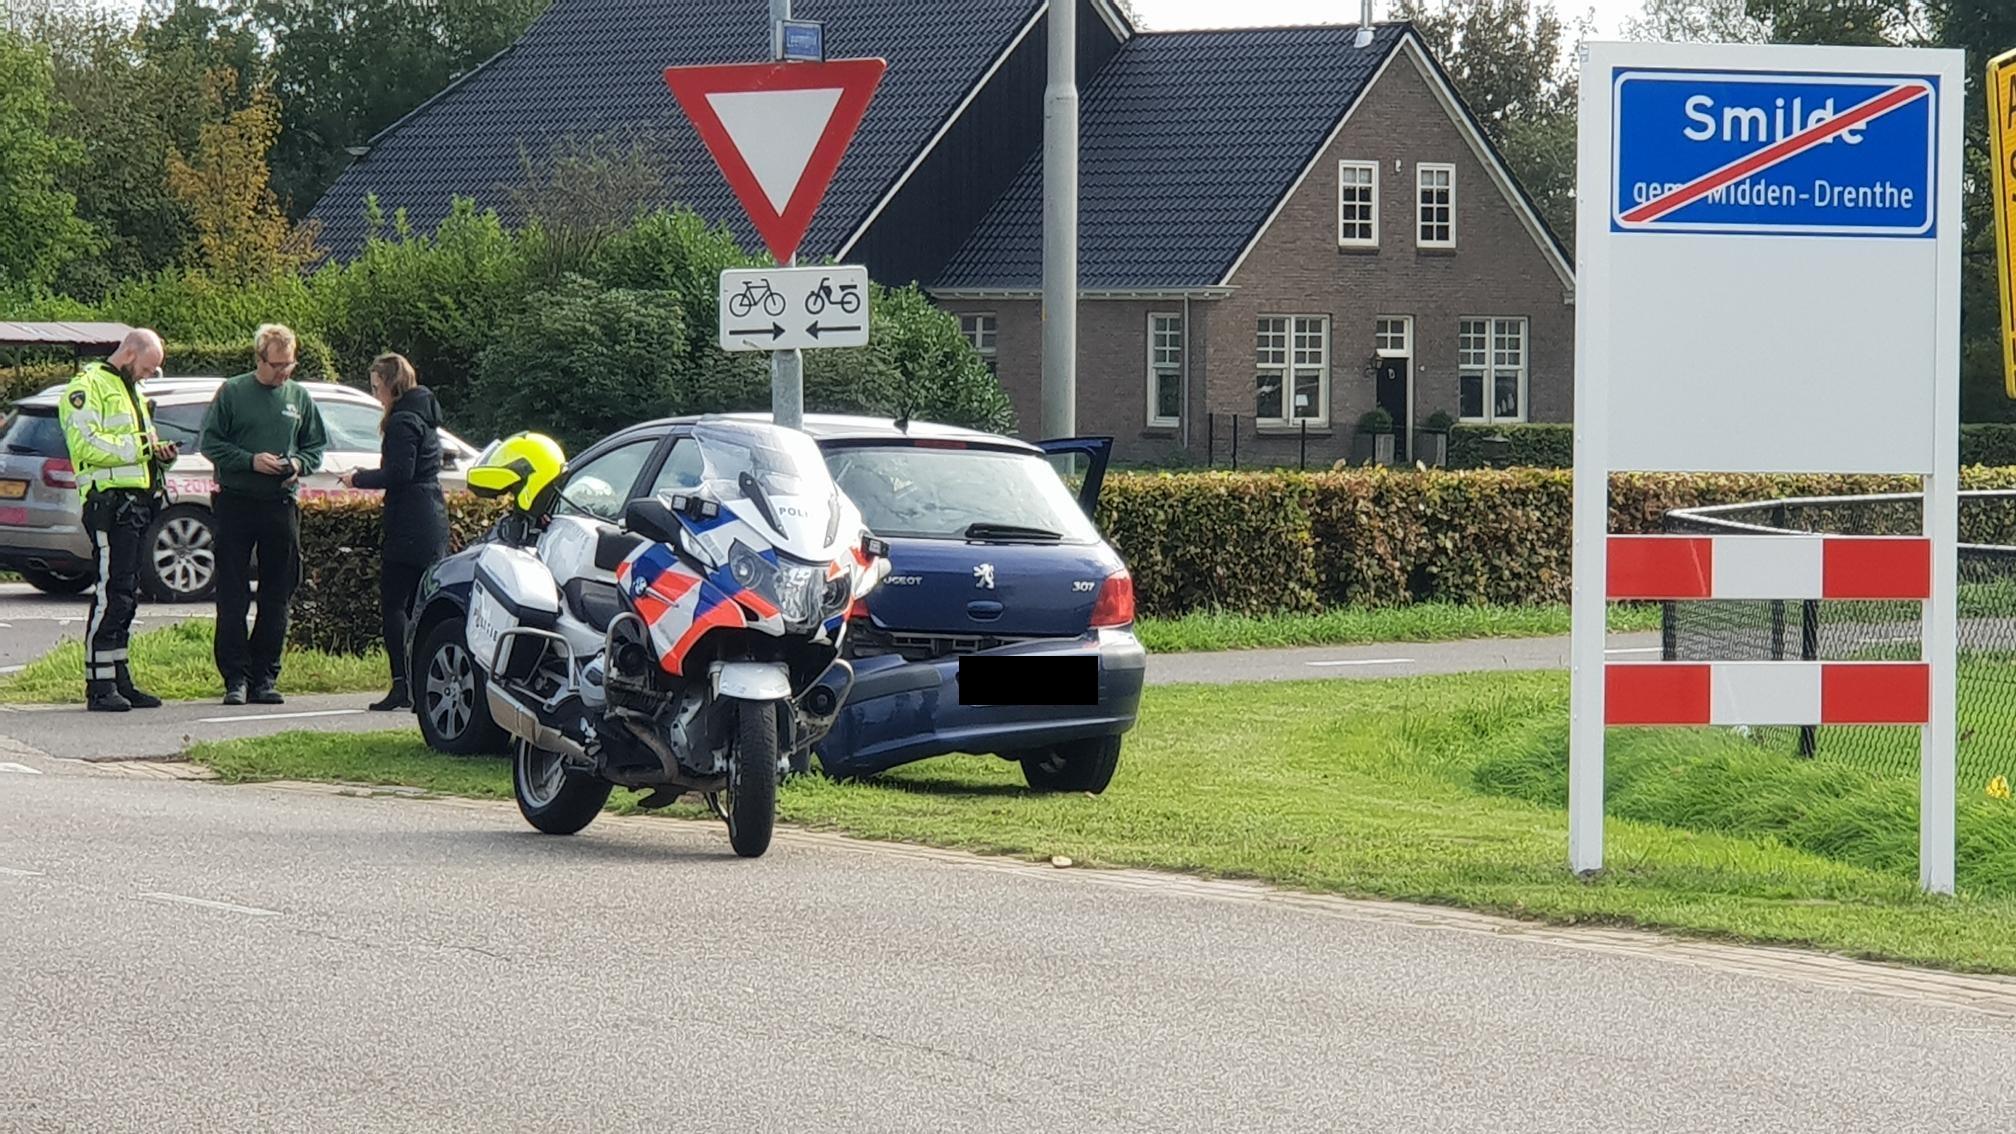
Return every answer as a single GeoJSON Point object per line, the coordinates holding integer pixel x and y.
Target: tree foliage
{"type": "Point", "coordinates": [39, 229]}
{"type": "Point", "coordinates": [240, 232]}
{"type": "Point", "coordinates": [1509, 60]}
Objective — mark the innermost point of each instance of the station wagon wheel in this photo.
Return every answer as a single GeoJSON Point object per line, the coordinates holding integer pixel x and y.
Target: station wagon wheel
{"type": "Point", "coordinates": [180, 564]}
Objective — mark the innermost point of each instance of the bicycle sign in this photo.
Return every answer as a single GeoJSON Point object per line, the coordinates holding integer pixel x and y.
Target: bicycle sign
{"type": "Point", "coordinates": [794, 308]}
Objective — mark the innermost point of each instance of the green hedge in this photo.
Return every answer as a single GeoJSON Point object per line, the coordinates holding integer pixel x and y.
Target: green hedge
{"type": "Point", "coordinates": [1528, 446]}
{"type": "Point", "coordinates": [1553, 446]}
{"type": "Point", "coordinates": [336, 607]}
{"type": "Point", "coordinates": [1251, 543]}
{"type": "Point", "coordinates": [224, 360]}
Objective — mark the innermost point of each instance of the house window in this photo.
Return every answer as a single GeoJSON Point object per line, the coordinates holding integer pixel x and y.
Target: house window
{"type": "Point", "coordinates": [1436, 186]}
{"type": "Point", "coordinates": [1392, 336]}
{"type": "Point", "coordinates": [1292, 370]}
{"type": "Point", "coordinates": [1357, 204]}
{"type": "Point", "coordinates": [1491, 358]}
{"type": "Point", "coordinates": [979, 330]}
{"type": "Point", "coordinates": [1165, 370]}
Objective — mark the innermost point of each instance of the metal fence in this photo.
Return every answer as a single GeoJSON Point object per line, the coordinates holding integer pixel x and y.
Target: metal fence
{"type": "Point", "coordinates": [1726, 630]}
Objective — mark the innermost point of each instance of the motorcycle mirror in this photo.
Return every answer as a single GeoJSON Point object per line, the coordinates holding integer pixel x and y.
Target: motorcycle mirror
{"type": "Point", "coordinates": [696, 507]}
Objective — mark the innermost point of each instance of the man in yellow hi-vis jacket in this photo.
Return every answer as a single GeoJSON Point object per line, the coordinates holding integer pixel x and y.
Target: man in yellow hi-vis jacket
{"type": "Point", "coordinates": [118, 461]}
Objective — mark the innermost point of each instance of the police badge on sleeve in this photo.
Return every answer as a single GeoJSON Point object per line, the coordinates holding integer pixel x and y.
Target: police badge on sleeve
{"type": "Point", "coordinates": [76, 399]}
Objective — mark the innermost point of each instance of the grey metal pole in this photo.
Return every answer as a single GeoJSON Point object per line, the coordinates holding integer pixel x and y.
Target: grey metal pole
{"type": "Point", "coordinates": [787, 369]}
{"type": "Point", "coordinates": [1060, 225]}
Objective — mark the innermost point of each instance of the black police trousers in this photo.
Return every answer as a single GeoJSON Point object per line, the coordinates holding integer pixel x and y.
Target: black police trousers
{"type": "Point", "coordinates": [117, 520]}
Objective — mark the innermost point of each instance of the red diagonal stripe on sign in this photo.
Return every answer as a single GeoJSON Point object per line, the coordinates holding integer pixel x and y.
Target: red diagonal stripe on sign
{"type": "Point", "coordinates": [1778, 152]}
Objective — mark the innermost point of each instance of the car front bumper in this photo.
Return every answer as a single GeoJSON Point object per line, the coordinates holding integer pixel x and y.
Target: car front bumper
{"type": "Point", "coordinates": [900, 711]}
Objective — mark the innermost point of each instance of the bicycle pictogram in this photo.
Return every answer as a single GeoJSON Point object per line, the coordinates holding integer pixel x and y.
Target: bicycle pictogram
{"type": "Point", "coordinates": [756, 292]}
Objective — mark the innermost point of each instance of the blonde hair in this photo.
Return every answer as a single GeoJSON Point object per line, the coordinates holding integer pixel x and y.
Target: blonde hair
{"type": "Point", "coordinates": [397, 376]}
{"type": "Point", "coordinates": [270, 335]}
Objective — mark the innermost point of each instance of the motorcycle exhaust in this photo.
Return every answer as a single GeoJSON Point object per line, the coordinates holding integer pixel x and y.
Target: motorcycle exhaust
{"type": "Point", "coordinates": [518, 719]}
{"type": "Point", "coordinates": [828, 693]}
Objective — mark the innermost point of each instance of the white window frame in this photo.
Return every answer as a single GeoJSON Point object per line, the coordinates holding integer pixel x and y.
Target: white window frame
{"type": "Point", "coordinates": [1289, 370]}
{"type": "Point", "coordinates": [987, 353]}
{"type": "Point", "coordinates": [1371, 241]}
{"type": "Point", "coordinates": [1158, 366]}
{"type": "Point", "coordinates": [1491, 368]}
{"type": "Point", "coordinates": [1421, 189]}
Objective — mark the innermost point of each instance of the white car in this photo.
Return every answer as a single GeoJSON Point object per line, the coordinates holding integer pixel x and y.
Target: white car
{"type": "Point", "coordinates": [41, 530]}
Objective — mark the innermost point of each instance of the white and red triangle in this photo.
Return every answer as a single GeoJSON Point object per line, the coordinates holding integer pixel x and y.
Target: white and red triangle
{"type": "Point", "coordinates": [778, 132]}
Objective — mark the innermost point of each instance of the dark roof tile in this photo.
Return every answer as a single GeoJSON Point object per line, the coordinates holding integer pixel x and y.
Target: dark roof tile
{"type": "Point", "coordinates": [1187, 140]}
{"type": "Point", "coordinates": [592, 66]}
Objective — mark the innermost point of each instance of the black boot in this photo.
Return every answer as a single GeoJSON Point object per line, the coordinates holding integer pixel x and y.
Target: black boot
{"type": "Point", "coordinates": [135, 696]}
{"type": "Point", "coordinates": [396, 699]}
{"type": "Point", "coordinates": [103, 697]}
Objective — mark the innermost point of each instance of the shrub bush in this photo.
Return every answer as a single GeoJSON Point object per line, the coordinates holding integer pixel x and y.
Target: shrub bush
{"type": "Point", "coordinates": [1249, 543]}
{"type": "Point", "coordinates": [336, 607]}
{"type": "Point", "coordinates": [1530, 446]}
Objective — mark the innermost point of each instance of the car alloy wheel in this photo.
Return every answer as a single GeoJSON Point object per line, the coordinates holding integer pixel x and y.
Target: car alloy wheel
{"type": "Point", "coordinates": [451, 690]}
{"type": "Point", "coordinates": [185, 555]}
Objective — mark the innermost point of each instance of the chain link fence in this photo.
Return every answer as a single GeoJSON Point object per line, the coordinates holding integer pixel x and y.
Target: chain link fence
{"type": "Point", "coordinates": [1727, 630]}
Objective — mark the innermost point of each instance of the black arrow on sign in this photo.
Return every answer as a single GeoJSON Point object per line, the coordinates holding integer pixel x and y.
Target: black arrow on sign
{"type": "Point", "coordinates": [815, 329]}
{"type": "Point", "coordinates": [775, 331]}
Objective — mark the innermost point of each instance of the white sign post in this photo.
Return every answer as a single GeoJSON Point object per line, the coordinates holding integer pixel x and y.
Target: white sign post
{"type": "Point", "coordinates": [782, 309]}
{"type": "Point", "coordinates": [1769, 281]}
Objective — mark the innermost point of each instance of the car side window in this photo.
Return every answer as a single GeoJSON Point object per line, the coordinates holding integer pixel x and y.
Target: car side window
{"type": "Point", "coordinates": [681, 470]}
{"type": "Point", "coordinates": [352, 428]}
{"type": "Point", "coordinates": [182, 424]}
{"type": "Point", "coordinates": [601, 487]}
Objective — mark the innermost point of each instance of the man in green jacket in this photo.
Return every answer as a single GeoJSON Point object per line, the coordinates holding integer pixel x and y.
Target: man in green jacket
{"type": "Point", "coordinates": [263, 434]}
{"type": "Point", "coordinates": [118, 460]}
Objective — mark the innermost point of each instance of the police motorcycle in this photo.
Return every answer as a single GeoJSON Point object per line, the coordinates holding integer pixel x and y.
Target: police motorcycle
{"type": "Point", "coordinates": [714, 658]}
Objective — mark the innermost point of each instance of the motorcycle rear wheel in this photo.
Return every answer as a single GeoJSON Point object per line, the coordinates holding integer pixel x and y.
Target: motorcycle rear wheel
{"type": "Point", "coordinates": [750, 803]}
{"type": "Point", "coordinates": [553, 797]}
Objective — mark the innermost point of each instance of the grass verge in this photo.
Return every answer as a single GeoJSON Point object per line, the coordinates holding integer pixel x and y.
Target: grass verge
{"type": "Point", "coordinates": [1444, 790]}
{"type": "Point", "coordinates": [175, 663]}
{"type": "Point", "coordinates": [1350, 626]}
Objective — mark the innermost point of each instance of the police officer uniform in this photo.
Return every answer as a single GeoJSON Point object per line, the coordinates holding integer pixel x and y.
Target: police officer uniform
{"type": "Point", "coordinates": [111, 439]}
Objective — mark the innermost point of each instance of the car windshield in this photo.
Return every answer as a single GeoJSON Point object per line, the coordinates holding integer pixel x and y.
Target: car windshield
{"type": "Point", "coordinates": [932, 493]}
{"type": "Point", "coordinates": [32, 432]}
{"type": "Point", "coordinates": [352, 426]}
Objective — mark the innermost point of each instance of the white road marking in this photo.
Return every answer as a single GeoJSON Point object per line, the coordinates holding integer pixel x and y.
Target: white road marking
{"type": "Point", "coordinates": [22, 768]}
{"type": "Point", "coordinates": [1365, 661]}
{"type": "Point", "coordinates": [280, 716]}
{"type": "Point", "coordinates": [12, 668]}
{"type": "Point", "coordinates": [20, 873]}
{"type": "Point", "coordinates": [210, 905]}
{"type": "Point", "coordinates": [1636, 650]}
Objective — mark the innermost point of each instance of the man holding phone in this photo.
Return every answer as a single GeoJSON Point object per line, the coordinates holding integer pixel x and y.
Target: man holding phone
{"type": "Point", "coordinates": [263, 434]}
{"type": "Point", "coordinates": [118, 460]}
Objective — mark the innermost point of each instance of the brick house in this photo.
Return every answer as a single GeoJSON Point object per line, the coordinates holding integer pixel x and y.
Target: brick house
{"type": "Point", "coordinates": [1279, 229]}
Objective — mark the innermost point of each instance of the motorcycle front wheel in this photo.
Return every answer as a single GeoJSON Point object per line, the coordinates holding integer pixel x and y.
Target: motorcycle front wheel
{"type": "Point", "coordinates": [553, 797]}
{"type": "Point", "coordinates": [750, 803]}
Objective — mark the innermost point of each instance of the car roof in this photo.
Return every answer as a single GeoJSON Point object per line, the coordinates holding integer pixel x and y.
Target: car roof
{"type": "Point", "coordinates": [178, 388]}
{"type": "Point", "coordinates": [855, 428]}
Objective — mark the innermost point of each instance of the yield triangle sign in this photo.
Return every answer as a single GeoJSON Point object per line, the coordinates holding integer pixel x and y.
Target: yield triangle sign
{"type": "Point", "coordinates": [778, 132]}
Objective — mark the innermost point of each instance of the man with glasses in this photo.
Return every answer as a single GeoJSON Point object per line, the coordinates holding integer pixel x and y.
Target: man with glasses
{"type": "Point", "coordinates": [263, 434]}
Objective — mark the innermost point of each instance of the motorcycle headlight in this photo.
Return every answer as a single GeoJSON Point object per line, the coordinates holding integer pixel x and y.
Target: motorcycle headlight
{"type": "Point", "coordinates": [839, 592]}
{"type": "Point", "coordinates": [799, 591]}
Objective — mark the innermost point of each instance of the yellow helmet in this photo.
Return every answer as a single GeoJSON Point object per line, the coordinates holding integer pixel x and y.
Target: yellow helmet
{"type": "Point", "coordinates": [523, 466]}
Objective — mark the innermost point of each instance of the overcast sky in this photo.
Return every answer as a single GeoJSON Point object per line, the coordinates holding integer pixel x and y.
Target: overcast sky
{"type": "Point", "coordinates": [1164, 14]}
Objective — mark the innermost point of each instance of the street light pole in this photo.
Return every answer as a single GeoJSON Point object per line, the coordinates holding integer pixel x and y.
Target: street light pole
{"type": "Point", "coordinates": [1060, 225]}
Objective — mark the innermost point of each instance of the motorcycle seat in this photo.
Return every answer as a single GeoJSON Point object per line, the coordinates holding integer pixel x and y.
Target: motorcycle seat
{"type": "Point", "coordinates": [593, 601]}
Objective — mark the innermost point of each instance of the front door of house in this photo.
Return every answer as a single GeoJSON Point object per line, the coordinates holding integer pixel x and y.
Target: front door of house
{"type": "Point", "coordinates": [1392, 396]}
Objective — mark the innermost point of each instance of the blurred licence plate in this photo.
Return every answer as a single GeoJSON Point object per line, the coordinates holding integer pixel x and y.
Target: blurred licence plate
{"type": "Point", "coordinates": [13, 489]}
{"type": "Point", "coordinates": [1023, 679]}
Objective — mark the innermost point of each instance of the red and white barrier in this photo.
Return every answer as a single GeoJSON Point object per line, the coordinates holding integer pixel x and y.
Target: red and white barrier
{"type": "Point", "coordinates": [1767, 693]}
{"type": "Point", "coordinates": [1665, 568]}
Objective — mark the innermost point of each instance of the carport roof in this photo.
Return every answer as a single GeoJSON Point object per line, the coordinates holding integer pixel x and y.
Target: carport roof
{"type": "Point", "coordinates": [77, 336]}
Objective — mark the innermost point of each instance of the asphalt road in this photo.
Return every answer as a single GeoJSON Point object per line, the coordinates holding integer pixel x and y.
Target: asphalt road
{"type": "Point", "coordinates": [32, 623]}
{"type": "Point", "coordinates": [187, 956]}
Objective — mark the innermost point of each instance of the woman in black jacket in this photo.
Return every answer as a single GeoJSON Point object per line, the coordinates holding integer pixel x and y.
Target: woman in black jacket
{"type": "Point", "coordinates": [416, 516]}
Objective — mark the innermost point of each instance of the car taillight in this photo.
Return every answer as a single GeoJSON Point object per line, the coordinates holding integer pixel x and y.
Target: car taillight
{"type": "Point", "coordinates": [59, 473]}
{"type": "Point", "coordinates": [1115, 605]}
